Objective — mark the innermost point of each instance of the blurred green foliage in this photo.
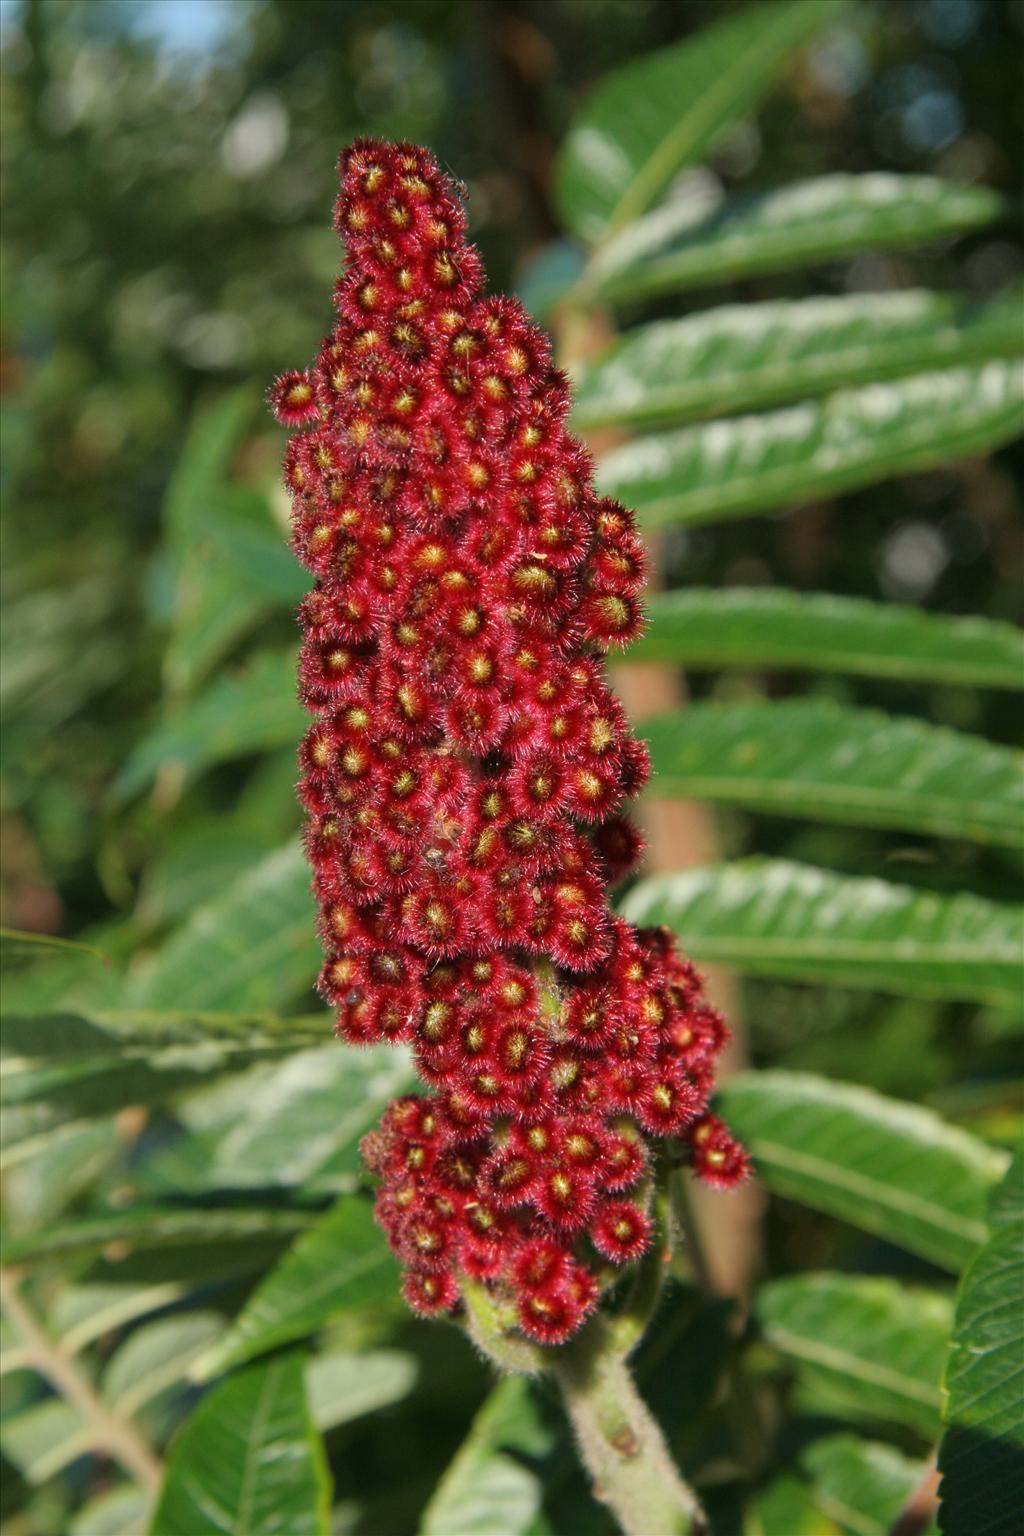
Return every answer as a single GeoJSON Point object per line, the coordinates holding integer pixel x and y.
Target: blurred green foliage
{"type": "Point", "coordinates": [166, 249]}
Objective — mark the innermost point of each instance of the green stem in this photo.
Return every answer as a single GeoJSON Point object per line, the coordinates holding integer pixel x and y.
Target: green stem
{"type": "Point", "coordinates": [621, 1445]}
{"type": "Point", "coordinates": [630, 1324]}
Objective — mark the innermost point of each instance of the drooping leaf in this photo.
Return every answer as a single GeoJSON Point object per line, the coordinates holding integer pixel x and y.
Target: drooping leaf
{"type": "Point", "coordinates": [340, 1263]}
{"type": "Point", "coordinates": [96, 1064]}
{"type": "Point", "coordinates": [819, 759]}
{"type": "Point", "coordinates": [860, 1484]}
{"type": "Point", "coordinates": [855, 437]}
{"type": "Point", "coordinates": [744, 356]}
{"type": "Point", "coordinates": [251, 949]}
{"type": "Point", "coordinates": [34, 1040]}
{"type": "Point", "coordinates": [769, 627]}
{"type": "Point", "coordinates": [143, 1227]}
{"type": "Point", "coordinates": [248, 1462]}
{"type": "Point", "coordinates": [981, 1457]}
{"type": "Point", "coordinates": [773, 917]}
{"type": "Point", "coordinates": [705, 238]}
{"type": "Point", "coordinates": [343, 1385]}
{"type": "Point", "coordinates": [875, 1347]}
{"type": "Point", "coordinates": [884, 1166]}
{"type": "Point", "coordinates": [663, 111]}
{"type": "Point", "coordinates": [485, 1489]}
{"type": "Point", "coordinates": [251, 711]}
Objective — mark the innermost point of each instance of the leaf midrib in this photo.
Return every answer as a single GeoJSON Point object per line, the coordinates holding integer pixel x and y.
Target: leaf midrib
{"type": "Point", "coordinates": [253, 1448]}
{"type": "Point", "coordinates": [648, 179]}
{"type": "Point", "coordinates": [944, 1220]}
{"type": "Point", "coordinates": [816, 1352]}
{"type": "Point", "coordinates": [931, 811]}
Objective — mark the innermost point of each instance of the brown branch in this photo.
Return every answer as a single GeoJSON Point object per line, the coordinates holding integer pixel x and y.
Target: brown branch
{"type": "Point", "coordinates": [109, 1432]}
{"type": "Point", "coordinates": [918, 1512]}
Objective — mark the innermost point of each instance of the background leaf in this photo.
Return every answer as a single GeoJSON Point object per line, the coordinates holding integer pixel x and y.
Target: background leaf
{"type": "Point", "coordinates": [815, 758]}
{"type": "Point", "coordinates": [747, 355]}
{"type": "Point", "coordinates": [704, 238]}
{"type": "Point", "coordinates": [345, 1384]}
{"type": "Point", "coordinates": [872, 1346]}
{"type": "Point", "coordinates": [486, 1488]}
{"type": "Point", "coordinates": [769, 627]}
{"type": "Point", "coordinates": [248, 1462]}
{"type": "Point", "coordinates": [238, 714]}
{"type": "Point", "coordinates": [852, 438]}
{"type": "Point", "coordinates": [156, 1227]}
{"type": "Point", "coordinates": [860, 1484]}
{"type": "Point", "coordinates": [772, 917]}
{"type": "Point", "coordinates": [250, 949]}
{"type": "Point", "coordinates": [886, 1167]}
{"type": "Point", "coordinates": [663, 111]}
{"type": "Point", "coordinates": [342, 1262]}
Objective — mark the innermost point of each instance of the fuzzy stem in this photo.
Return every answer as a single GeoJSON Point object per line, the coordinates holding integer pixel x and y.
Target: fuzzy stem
{"type": "Point", "coordinates": [493, 1333]}
{"type": "Point", "coordinates": [620, 1444]}
{"type": "Point", "coordinates": [630, 1324]}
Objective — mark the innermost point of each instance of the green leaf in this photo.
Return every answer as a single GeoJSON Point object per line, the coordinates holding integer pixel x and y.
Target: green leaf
{"type": "Point", "coordinates": [340, 1263]}
{"type": "Point", "coordinates": [96, 1064]}
{"type": "Point", "coordinates": [18, 945]}
{"type": "Point", "coordinates": [768, 627]}
{"type": "Point", "coordinates": [343, 1385]}
{"type": "Point", "coordinates": [37, 1038]}
{"type": "Point", "coordinates": [875, 1347]}
{"type": "Point", "coordinates": [202, 856]}
{"type": "Point", "coordinates": [860, 1484]}
{"type": "Point", "coordinates": [143, 1227]}
{"type": "Point", "coordinates": [855, 437]}
{"type": "Point", "coordinates": [826, 761]}
{"type": "Point", "coordinates": [705, 238]}
{"type": "Point", "coordinates": [157, 1356]}
{"type": "Point", "coordinates": [485, 1489]}
{"type": "Point", "coordinates": [253, 948]}
{"type": "Point", "coordinates": [771, 917]}
{"type": "Point", "coordinates": [302, 1125]}
{"type": "Point", "coordinates": [248, 1462]}
{"type": "Point", "coordinates": [887, 1167]}
{"type": "Point", "coordinates": [749, 355]}
{"type": "Point", "coordinates": [44, 1439]}
{"type": "Point", "coordinates": [46, 1174]}
{"type": "Point", "coordinates": [786, 1508]}
{"type": "Point", "coordinates": [664, 111]}
{"type": "Point", "coordinates": [239, 714]}
{"type": "Point", "coordinates": [213, 530]}
{"type": "Point", "coordinates": [84, 1313]}
{"type": "Point", "coordinates": [981, 1457]}
{"type": "Point", "coordinates": [124, 1511]}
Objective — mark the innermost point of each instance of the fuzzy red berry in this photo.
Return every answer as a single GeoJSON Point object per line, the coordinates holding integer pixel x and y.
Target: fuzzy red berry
{"type": "Point", "coordinates": [621, 1231]}
{"type": "Point", "coordinates": [464, 774]}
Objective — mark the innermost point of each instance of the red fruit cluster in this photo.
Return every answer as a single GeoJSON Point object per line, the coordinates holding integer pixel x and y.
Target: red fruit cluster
{"type": "Point", "coordinates": [466, 768]}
